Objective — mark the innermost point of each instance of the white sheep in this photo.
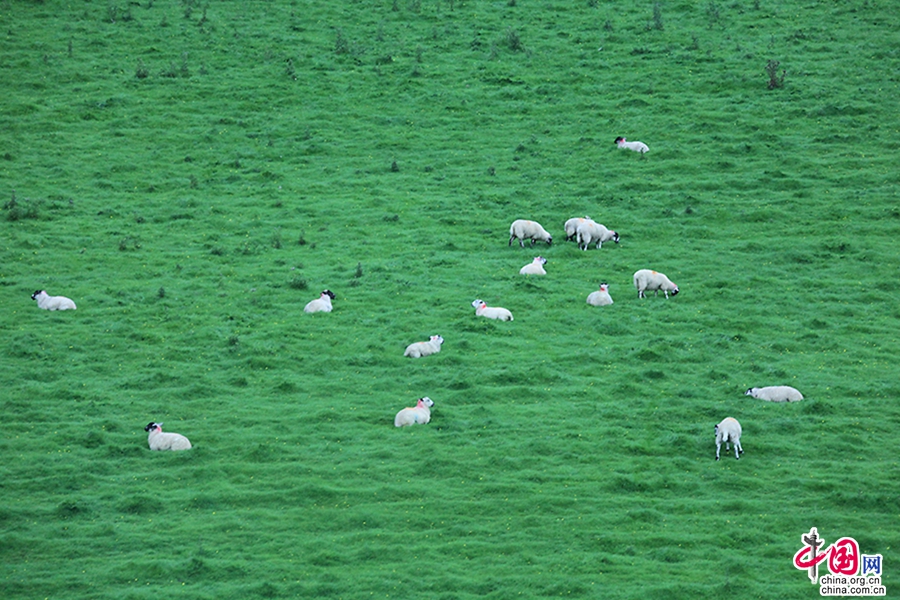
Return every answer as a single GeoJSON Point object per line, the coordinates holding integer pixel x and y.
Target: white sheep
{"type": "Point", "coordinates": [535, 267]}
{"type": "Point", "coordinates": [634, 146]}
{"type": "Point", "coordinates": [165, 441]}
{"type": "Point", "coordinates": [601, 297]}
{"type": "Point", "coordinates": [320, 304]}
{"type": "Point", "coordinates": [420, 349]}
{"type": "Point", "coordinates": [729, 430]}
{"type": "Point", "coordinates": [591, 231]}
{"type": "Point", "coordinates": [52, 302]}
{"type": "Point", "coordinates": [491, 312]}
{"type": "Point", "coordinates": [775, 393]}
{"type": "Point", "coordinates": [571, 226]}
{"type": "Point", "coordinates": [649, 281]}
{"type": "Point", "coordinates": [522, 230]}
{"type": "Point", "coordinates": [415, 415]}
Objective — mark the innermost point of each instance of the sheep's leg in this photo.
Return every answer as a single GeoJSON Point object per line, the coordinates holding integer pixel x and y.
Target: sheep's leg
{"type": "Point", "coordinates": [510, 240]}
{"type": "Point", "coordinates": [718, 446]}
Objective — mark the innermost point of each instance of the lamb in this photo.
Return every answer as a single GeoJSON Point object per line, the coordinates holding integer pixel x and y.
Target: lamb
{"type": "Point", "coordinates": [535, 267]}
{"type": "Point", "coordinates": [729, 430]}
{"type": "Point", "coordinates": [635, 146]}
{"type": "Point", "coordinates": [775, 393]}
{"type": "Point", "coordinates": [420, 349]}
{"type": "Point", "coordinates": [647, 280]}
{"type": "Point", "coordinates": [571, 226]}
{"type": "Point", "coordinates": [415, 415]}
{"type": "Point", "coordinates": [320, 304]}
{"type": "Point", "coordinates": [525, 230]}
{"type": "Point", "coordinates": [491, 312]}
{"type": "Point", "coordinates": [591, 231]}
{"type": "Point", "coordinates": [52, 302]}
{"type": "Point", "coordinates": [600, 297]}
{"type": "Point", "coordinates": [165, 441]}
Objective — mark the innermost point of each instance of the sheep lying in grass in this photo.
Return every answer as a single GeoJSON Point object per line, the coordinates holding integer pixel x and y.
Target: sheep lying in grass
{"type": "Point", "coordinates": [491, 312]}
{"type": "Point", "coordinates": [52, 302]}
{"type": "Point", "coordinates": [591, 231]}
{"type": "Point", "coordinates": [420, 349]}
{"type": "Point", "coordinates": [535, 267]}
{"type": "Point", "coordinates": [320, 304]}
{"type": "Point", "coordinates": [601, 297]}
{"type": "Point", "coordinates": [633, 146]}
{"type": "Point", "coordinates": [729, 430]}
{"type": "Point", "coordinates": [415, 415]}
{"type": "Point", "coordinates": [522, 230]}
{"type": "Point", "coordinates": [646, 280]}
{"type": "Point", "coordinates": [165, 441]}
{"type": "Point", "coordinates": [775, 393]}
{"type": "Point", "coordinates": [571, 226]}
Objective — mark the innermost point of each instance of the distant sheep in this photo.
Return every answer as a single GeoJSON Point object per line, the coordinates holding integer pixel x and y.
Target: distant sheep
{"type": "Point", "coordinates": [775, 393]}
{"type": "Point", "coordinates": [420, 349]}
{"type": "Point", "coordinates": [522, 230]}
{"type": "Point", "coordinates": [535, 267]}
{"type": "Point", "coordinates": [729, 430]}
{"type": "Point", "coordinates": [415, 415]}
{"type": "Point", "coordinates": [634, 146]}
{"type": "Point", "coordinates": [591, 231]}
{"type": "Point", "coordinates": [571, 226]}
{"type": "Point", "coordinates": [320, 304]}
{"type": "Point", "coordinates": [52, 302]}
{"type": "Point", "coordinates": [646, 280]}
{"type": "Point", "coordinates": [491, 312]}
{"type": "Point", "coordinates": [601, 297]}
{"type": "Point", "coordinates": [165, 441]}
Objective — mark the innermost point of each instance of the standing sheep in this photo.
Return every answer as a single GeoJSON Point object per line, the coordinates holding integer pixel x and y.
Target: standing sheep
{"type": "Point", "coordinates": [535, 267]}
{"type": "Point", "coordinates": [420, 349]}
{"type": "Point", "coordinates": [415, 415]}
{"type": "Point", "coordinates": [52, 302]}
{"type": "Point", "coordinates": [591, 231]}
{"type": "Point", "coordinates": [165, 441]}
{"type": "Point", "coordinates": [522, 230]}
{"type": "Point", "coordinates": [601, 297]}
{"type": "Point", "coordinates": [729, 430]}
{"type": "Point", "coordinates": [634, 146]}
{"type": "Point", "coordinates": [571, 226]}
{"type": "Point", "coordinates": [320, 304]}
{"type": "Point", "coordinates": [650, 281]}
{"type": "Point", "coordinates": [491, 312]}
{"type": "Point", "coordinates": [775, 393]}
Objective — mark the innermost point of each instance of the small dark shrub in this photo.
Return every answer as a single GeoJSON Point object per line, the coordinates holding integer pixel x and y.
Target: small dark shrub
{"type": "Point", "coordinates": [341, 45]}
{"type": "Point", "coordinates": [161, 293]}
{"type": "Point", "coordinates": [359, 270]}
{"type": "Point", "coordinates": [513, 41]}
{"type": "Point", "coordinates": [290, 70]}
{"type": "Point", "coordinates": [301, 241]}
{"type": "Point", "coordinates": [298, 283]}
{"type": "Point", "coordinates": [141, 71]}
{"type": "Point", "coordinates": [394, 167]}
{"type": "Point", "coordinates": [775, 81]}
{"type": "Point", "coordinates": [657, 17]}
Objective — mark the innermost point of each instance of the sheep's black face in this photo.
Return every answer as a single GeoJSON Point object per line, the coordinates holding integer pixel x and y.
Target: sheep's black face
{"type": "Point", "coordinates": [615, 237]}
{"type": "Point", "coordinates": [36, 294]}
{"type": "Point", "coordinates": [151, 426]}
{"type": "Point", "coordinates": [675, 292]}
{"type": "Point", "coordinates": [328, 293]}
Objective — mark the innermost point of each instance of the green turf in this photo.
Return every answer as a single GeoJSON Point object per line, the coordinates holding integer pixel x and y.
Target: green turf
{"type": "Point", "coordinates": [192, 174]}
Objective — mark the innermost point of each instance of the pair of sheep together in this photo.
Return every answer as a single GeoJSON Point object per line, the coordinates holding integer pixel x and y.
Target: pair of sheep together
{"type": "Point", "coordinates": [585, 229]}
{"type": "Point", "coordinates": [729, 430]}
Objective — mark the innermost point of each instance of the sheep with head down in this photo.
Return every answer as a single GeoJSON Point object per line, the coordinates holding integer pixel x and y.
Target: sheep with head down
{"type": "Point", "coordinates": [646, 280]}
{"type": "Point", "coordinates": [729, 430]}
{"type": "Point", "coordinates": [523, 229]}
{"type": "Point", "coordinates": [571, 226]}
{"type": "Point", "coordinates": [591, 231]}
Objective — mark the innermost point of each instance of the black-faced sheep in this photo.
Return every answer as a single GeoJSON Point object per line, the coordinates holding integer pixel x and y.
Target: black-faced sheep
{"type": "Point", "coordinates": [522, 229]}
{"type": "Point", "coordinates": [633, 146]}
{"type": "Point", "coordinates": [491, 312]}
{"type": "Point", "coordinates": [775, 393]}
{"type": "Point", "coordinates": [320, 304]}
{"type": "Point", "coordinates": [52, 302]}
{"type": "Point", "coordinates": [165, 441]}
{"type": "Point", "coordinates": [601, 297]}
{"type": "Point", "coordinates": [650, 281]}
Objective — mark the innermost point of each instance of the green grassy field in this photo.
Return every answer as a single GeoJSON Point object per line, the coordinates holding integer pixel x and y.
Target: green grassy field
{"type": "Point", "coordinates": [193, 174]}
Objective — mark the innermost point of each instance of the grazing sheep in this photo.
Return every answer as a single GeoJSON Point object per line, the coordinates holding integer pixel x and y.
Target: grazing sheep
{"type": "Point", "coordinates": [600, 297]}
{"type": "Point", "coordinates": [491, 312]}
{"type": "Point", "coordinates": [52, 302]}
{"type": "Point", "coordinates": [775, 393]}
{"type": "Point", "coordinates": [647, 280]}
{"type": "Point", "coordinates": [420, 349]}
{"type": "Point", "coordinates": [535, 267]}
{"type": "Point", "coordinates": [571, 226]}
{"type": "Point", "coordinates": [729, 430]}
{"type": "Point", "coordinates": [591, 231]}
{"type": "Point", "coordinates": [165, 441]}
{"type": "Point", "coordinates": [528, 230]}
{"type": "Point", "coordinates": [635, 146]}
{"type": "Point", "coordinates": [415, 415]}
{"type": "Point", "coordinates": [320, 304]}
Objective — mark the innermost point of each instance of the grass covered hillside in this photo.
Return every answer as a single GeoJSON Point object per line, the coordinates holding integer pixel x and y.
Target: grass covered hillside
{"type": "Point", "coordinates": [192, 174]}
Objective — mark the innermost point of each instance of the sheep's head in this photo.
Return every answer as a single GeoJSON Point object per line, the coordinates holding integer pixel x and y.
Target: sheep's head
{"type": "Point", "coordinates": [37, 293]}
{"type": "Point", "coordinates": [675, 291]}
{"type": "Point", "coordinates": [437, 338]}
{"type": "Point", "coordinates": [541, 260]}
{"type": "Point", "coordinates": [619, 140]}
{"type": "Point", "coordinates": [328, 293]}
{"type": "Point", "coordinates": [426, 401]}
{"type": "Point", "coordinates": [604, 287]}
{"type": "Point", "coordinates": [615, 237]}
{"type": "Point", "coordinates": [478, 303]}
{"type": "Point", "coordinates": [151, 426]}
{"type": "Point", "coordinates": [749, 392]}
